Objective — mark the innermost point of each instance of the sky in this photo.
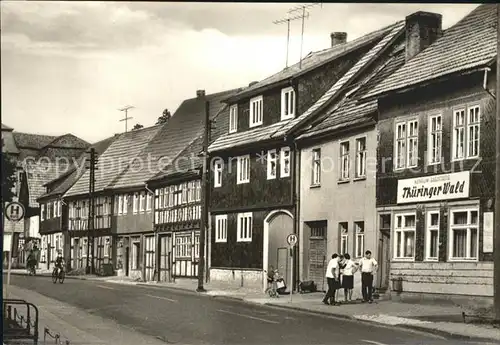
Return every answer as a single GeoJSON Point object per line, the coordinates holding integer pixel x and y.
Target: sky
{"type": "Point", "coordinates": [67, 67]}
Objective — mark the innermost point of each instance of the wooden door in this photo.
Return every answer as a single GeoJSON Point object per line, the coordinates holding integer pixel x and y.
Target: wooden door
{"type": "Point", "coordinates": [165, 257]}
{"type": "Point", "coordinates": [317, 254]}
{"type": "Point", "coordinates": [150, 257]}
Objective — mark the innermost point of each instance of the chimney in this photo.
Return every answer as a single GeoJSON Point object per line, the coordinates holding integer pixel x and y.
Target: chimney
{"type": "Point", "coordinates": [338, 38]}
{"type": "Point", "coordinates": [422, 29]}
{"type": "Point", "coordinates": [200, 93]}
{"type": "Point", "coordinates": [252, 83]}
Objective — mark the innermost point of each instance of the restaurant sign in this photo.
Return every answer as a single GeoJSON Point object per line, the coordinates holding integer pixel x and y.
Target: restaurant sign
{"type": "Point", "coordinates": [434, 188]}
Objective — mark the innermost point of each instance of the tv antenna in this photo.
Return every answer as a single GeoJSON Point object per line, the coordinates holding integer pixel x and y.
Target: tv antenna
{"type": "Point", "coordinates": [298, 12]}
{"type": "Point", "coordinates": [126, 118]}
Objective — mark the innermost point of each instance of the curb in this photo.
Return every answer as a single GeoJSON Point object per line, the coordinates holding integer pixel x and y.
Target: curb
{"type": "Point", "coordinates": [447, 334]}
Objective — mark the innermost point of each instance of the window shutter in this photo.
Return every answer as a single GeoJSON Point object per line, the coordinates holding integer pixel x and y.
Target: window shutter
{"type": "Point", "coordinates": [443, 234]}
{"type": "Point", "coordinates": [420, 235]}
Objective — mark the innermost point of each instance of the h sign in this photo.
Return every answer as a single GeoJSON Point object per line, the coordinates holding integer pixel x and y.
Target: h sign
{"type": "Point", "coordinates": [292, 240]}
{"type": "Point", "coordinates": [14, 211]}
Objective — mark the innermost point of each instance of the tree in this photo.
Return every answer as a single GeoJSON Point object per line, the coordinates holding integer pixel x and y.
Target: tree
{"type": "Point", "coordinates": [8, 177]}
{"type": "Point", "coordinates": [164, 117]}
{"type": "Point", "coordinates": [137, 126]}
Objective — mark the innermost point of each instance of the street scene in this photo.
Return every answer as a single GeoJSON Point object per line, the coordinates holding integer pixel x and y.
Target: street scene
{"type": "Point", "coordinates": [239, 173]}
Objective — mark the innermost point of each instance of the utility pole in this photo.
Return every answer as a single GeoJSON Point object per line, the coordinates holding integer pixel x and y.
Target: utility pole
{"type": "Point", "coordinates": [204, 198]}
{"type": "Point", "coordinates": [496, 233]}
{"type": "Point", "coordinates": [126, 118]}
{"type": "Point", "coordinates": [90, 228]}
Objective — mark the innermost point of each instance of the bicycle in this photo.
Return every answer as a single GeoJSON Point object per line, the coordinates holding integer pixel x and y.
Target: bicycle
{"type": "Point", "coordinates": [58, 274]}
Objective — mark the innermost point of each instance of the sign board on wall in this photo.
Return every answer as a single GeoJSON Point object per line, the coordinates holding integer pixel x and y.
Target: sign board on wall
{"type": "Point", "coordinates": [488, 232]}
{"type": "Point", "coordinates": [434, 188]}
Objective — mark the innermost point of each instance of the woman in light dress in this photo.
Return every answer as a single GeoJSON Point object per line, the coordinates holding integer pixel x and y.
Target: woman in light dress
{"type": "Point", "coordinates": [348, 277]}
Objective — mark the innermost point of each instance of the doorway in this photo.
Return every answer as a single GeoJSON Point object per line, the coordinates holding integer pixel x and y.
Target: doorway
{"type": "Point", "coordinates": [165, 258]}
{"type": "Point", "coordinates": [384, 251]}
{"type": "Point", "coordinates": [127, 259]}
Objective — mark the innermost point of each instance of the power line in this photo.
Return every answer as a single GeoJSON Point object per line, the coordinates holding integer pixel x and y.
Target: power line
{"type": "Point", "coordinates": [126, 118]}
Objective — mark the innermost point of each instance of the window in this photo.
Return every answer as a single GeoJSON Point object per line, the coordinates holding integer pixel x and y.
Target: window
{"type": "Point", "coordinates": [256, 118]}
{"type": "Point", "coordinates": [432, 236]}
{"type": "Point", "coordinates": [361, 157]}
{"type": "Point", "coordinates": [466, 125]}
{"type": "Point", "coordinates": [406, 150]}
{"type": "Point", "coordinates": [218, 173]}
{"type": "Point", "coordinates": [360, 238]}
{"type": "Point", "coordinates": [183, 246]}
{"type": "Point", "coordinates": [107, 246]}
{"type": "Point", "coordinates": [344, 238]}
{"type": "Point", "coordinates": [120, 204]}
{"type": "Point", "coordinates": [272, 163]}
{"type": "Point", "coordinates": [244, 229]}
{"type": "Point", "coordinates": [435, 139]}
{"type": "Point", "coordinates": [412, 159]}
{"type": "Point", "coordinates": [243, 169]}
{"type": "Point", "coordinates": [197, 245]}
{"type": "Point", "coordinates": [473, 122]}
{"type": "Point", "coordinates": [142, 202]}
{"type": "Point", "coordinates": [233, 118]}
{"type": "Point", "coordinates": [42, 212]}
{"type": "Point", "coordinates": [136, 203]}
{"type": "Point", "coordinates": [404, 246]}
{"type": "Point", "coordinates": [149, 199]}
{"type": "Point", "coordinates": [316, 167]}
{"type": "Point", "coordinates": [344, 161]}
{"type": "Point", "coordinates": [318, 230]}
{"type": "Point", "coordinates": [285, 162]}
{"type": "Point", "coordinates": [221, 228]}
{"type": "Point", "coordinates": [287, 103]}
{"type": "Point", "coordinates": [464, 235]}
{"type": "Point", "coordinates": [125, 203]}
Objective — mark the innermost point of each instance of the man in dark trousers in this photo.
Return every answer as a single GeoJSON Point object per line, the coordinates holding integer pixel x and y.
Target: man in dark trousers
{"type": "Point", "coordinates": [368, 267]}
{"type": "Point", "coordinates": [332, 278]}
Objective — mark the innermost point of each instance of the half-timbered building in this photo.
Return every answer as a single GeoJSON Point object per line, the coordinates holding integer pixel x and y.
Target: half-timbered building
{"type": "Point", "coordinates": [253, 196]}
{"type": "Point", "coordinates": [109, 206]}
{"type": "Point", "coordinates": [436, 160]}
{"type": "Point", "coordinates": [54, 212]}
{"type": "Point", "coordinates": [177, 186]}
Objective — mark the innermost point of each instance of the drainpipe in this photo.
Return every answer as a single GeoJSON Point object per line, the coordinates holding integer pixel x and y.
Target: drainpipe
{"type": "Point", "coordinates": [297, 165]}
{"type": "Point", "coordinates": [485, 82]}
{"type": "Point", "coordinates": [153, 207]}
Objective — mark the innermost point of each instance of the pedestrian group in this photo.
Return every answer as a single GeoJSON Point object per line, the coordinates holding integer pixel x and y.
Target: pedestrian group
{"type": "Point", "coordinates": [340, 275]}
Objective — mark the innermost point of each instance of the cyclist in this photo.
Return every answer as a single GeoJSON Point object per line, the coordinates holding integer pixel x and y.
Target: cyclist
{"type": "Point", "coordinates": [59, 262]}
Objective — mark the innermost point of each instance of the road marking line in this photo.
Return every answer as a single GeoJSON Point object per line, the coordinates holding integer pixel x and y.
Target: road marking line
{"type": "Point", "coordinates": [248, 316]}
{"type": "Point", "coordinates": [373, 342]}
{"type": "Point", "coordinates": [165, 298]}
{"type": "Point", "coordinates": [105, 287]}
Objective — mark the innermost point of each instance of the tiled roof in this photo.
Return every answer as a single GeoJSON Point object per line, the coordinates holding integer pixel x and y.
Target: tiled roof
{"type": "Point", "coordinates": [181, 165]}
{"type": "Point", "coordinates": [280, 129]}
{"type": "Point", "coordinates": [32, 141]}
{"type": "Point", "coordinates": [183, 127]}
{"type": "Point", "coordinates": [64, 182]}
{"type": "Point", "coordinates": [314, 60]}
{"type": "Point", "coordinates": [37, 176]}
{"type": "Point", "coordinates": [125, 148]}
{"type": "Point", "coordinates": [351, 111]}
{"type": "Point", "coordinates": [471, 43]}
{"type": "Point", "coordinates": [395, 29]}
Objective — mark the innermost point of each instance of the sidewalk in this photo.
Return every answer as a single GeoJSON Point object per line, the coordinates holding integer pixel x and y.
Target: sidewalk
{"type": "Point", "coordinates": [437, 319]}
{"type": "Point", "coordinates": [76, 325]}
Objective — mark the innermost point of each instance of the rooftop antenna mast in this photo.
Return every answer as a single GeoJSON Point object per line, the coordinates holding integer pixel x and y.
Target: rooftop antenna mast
{"type": "Point", "coordinates": [126, 118]}
{"type": "Point", "coordinates": [303, 14]}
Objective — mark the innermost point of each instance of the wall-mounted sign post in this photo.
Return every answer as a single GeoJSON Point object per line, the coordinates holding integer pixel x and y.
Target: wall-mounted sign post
{"type": "Point", "coordinates": [292, 241]}
{"type": "Point", "coordinates": [14, 211]}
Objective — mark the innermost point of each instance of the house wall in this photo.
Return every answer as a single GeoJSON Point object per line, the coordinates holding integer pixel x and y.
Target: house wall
{"type": "Point", "coordinates": [443, 275]}
{"type": "Point", "coordinates": [259, 192]}
{"type": "Point", "coordinates": [334, 201]}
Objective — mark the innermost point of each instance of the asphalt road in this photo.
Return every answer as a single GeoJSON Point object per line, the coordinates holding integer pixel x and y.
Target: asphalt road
{"type": "Point", "coordinates": [185, 318]}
